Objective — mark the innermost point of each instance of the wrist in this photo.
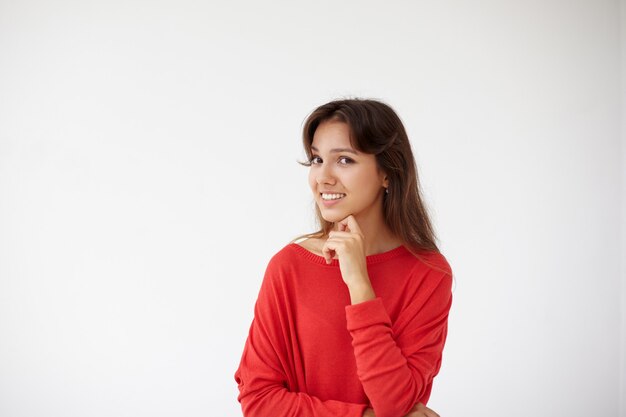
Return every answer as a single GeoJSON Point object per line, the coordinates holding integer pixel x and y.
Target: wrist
{"type": "Point", "coordinates": [361, 293]}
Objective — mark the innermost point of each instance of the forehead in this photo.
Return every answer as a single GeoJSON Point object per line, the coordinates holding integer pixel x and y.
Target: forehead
{"type": "Point", "coordinates": [331, 134]}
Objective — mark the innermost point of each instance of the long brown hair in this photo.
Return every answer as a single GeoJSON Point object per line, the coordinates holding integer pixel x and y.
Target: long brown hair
{"type": "Point", "coordinates": [375, 128]}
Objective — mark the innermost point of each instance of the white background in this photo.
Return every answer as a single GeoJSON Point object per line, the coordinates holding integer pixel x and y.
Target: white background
{"type": "Point", "coordinates": [148, 173]}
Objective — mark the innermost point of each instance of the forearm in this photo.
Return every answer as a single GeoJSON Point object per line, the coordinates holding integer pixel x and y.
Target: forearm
{"type": "Point", "coordinates": [389, 382]}
{"type": "Point", "coordinates": [279, 402]}
{"type": "Point", "coordinates": [361, 292]}
{"type": "Point", "coordinates": [392, 382]}
{"type": "Point", "coordinates": [263, 386]}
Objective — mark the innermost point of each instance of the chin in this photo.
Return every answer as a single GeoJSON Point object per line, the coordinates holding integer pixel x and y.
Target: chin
{"type": "Point", "coordinates": [333, 217]}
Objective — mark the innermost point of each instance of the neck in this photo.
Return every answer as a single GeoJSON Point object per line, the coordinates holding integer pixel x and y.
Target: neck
{"type": "Point", "coordinates": [378, 236]}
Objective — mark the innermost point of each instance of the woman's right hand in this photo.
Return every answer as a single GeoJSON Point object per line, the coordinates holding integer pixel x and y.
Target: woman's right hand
{"type": "Point", "coordinates": [418, 410]}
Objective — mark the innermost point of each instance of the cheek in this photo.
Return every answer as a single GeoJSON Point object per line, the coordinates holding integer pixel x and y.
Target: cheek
{"type": "Point", "coordinates": [356, 180]}
{"type": "Point", "coordinates": [312, 183]}
{"type": "Point", "coordinates": [364, 183]}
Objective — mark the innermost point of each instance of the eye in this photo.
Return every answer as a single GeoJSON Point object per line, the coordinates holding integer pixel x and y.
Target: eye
{"type": "Point", "coordinates": [312, 160]}
{"type": "Point", "coordinates": [347, 160]}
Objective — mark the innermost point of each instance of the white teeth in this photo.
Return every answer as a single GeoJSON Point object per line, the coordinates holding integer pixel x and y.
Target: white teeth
{"type": "Point", "coordinates": [331, 196]}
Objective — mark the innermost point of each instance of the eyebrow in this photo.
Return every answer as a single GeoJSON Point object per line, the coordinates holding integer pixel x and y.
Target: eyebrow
{"type": "Point", "coordinates": [337, 150]}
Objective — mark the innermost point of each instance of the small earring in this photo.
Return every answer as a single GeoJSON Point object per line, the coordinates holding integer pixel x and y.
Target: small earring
{"type": "Point", "coordinates": [386, 190]}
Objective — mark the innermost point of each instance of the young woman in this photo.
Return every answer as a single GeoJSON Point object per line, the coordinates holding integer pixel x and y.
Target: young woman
{"type": "Point", "coordinates": [352, 321]}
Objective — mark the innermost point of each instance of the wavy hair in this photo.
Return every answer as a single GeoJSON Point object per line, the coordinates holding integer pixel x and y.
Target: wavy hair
{"type": "Point", "coordinates": [376, 129]}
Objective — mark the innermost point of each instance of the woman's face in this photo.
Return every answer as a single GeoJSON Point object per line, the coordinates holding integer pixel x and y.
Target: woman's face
{"type": "Point", "coordinates": [338, 168]}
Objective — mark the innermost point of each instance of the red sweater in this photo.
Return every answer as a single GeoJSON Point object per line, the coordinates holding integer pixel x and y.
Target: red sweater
{"type": "Point", "coordinates": [310, 353]}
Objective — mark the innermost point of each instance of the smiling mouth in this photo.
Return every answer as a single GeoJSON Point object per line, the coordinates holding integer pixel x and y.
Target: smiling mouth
{"type": "Point", "coordinates": [334, 196]}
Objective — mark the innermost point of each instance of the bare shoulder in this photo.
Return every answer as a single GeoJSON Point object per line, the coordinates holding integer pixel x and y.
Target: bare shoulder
{"type": "Point", "coordinates": [312, 244]}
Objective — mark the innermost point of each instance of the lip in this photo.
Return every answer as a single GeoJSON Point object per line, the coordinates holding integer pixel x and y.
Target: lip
{"type": "Point", "coordinates": [330, 203]}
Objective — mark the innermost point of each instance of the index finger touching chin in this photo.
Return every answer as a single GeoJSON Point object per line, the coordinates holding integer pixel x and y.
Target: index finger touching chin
{"type": "Point", "coordinates": [352, 224]}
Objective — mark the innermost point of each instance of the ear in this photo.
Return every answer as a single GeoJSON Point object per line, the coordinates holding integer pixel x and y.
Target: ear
{"type": "Point", "coordinates": [382, 175]}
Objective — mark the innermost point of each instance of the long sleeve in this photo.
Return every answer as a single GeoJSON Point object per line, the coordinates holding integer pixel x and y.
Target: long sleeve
{"type": "Point", "coordinates": [396, 362]}
{"type": "Point", "coordinates": [265, 372]}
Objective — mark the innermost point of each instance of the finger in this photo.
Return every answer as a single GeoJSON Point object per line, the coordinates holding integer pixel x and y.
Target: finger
{"type": "Point", "coordinates": [426, 411]}
{"type": "Point", "coordinates": [328, 250]}
{"type": "Point", "coordinates": [353, 225]}
{"type": "Point", "coordinates": [343, 224]}
{"type": "Point", "coordinates": [332, 247]}
{"type": "Point", "coordinates": [327, 255]}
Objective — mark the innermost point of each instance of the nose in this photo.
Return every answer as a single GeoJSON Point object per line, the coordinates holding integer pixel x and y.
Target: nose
{"type": "Point", "coordinates": [324, 174]}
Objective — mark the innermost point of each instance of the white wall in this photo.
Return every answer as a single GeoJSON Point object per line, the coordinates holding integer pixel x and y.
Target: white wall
{"type": "Point", "coordinates": [623, 207]}
{"type": "Point", "coordinates": [148, 172]}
